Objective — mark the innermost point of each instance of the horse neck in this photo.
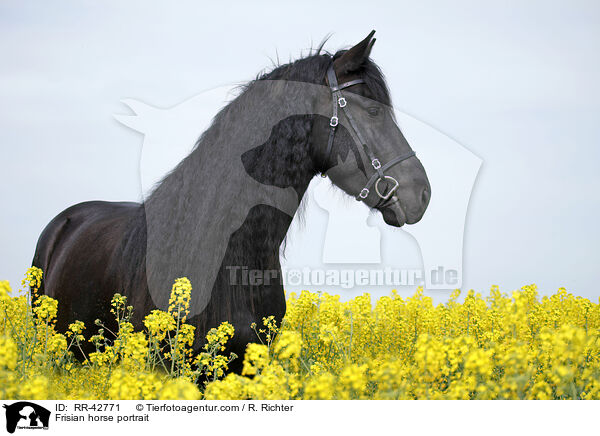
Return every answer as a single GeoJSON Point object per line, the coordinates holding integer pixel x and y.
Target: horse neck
{"type": "Point", "coordinates": [283, 161]}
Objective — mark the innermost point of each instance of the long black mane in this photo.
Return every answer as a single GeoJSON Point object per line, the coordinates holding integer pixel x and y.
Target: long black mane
{"type": "Point", "coordinates": [288, 143]}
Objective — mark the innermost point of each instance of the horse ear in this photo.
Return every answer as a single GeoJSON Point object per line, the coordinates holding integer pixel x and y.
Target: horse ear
{"type": "Point", "coordinates": [354, 58]}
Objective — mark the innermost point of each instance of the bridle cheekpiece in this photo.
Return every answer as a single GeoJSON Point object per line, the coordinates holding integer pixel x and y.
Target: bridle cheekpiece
{"type": "Point", "coordinates": [338, 100]}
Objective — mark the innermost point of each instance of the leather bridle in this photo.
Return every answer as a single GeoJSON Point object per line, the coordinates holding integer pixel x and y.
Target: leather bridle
{"type": "Point", "coordinates": [379, 174]}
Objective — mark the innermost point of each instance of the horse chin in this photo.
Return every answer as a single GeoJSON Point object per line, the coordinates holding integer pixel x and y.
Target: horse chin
{"type": "Point", "coordinates": [393, 215]}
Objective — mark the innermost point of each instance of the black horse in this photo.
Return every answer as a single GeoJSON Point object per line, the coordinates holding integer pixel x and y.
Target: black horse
{"type": "Point", "coordinates": [94, 249]}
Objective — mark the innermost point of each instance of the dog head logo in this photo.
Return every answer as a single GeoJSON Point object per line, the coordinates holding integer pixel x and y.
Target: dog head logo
{"type": "Point", "coordinates": [26, 415]}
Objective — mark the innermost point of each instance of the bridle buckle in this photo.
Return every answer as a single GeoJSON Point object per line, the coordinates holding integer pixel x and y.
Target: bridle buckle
{"type": "Point", "coordinates": [333, 122]}
{"type": "Point", "coordinates": [376, 164]}
{"type": "Point", "coordinates": [364, 193]}
{"type": "Point", "coordinates": [342, 102]}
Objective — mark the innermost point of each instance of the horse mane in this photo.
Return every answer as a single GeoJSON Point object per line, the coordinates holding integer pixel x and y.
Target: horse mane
{"type": "Point", "coordinates": [309, 69]}
{"type": "Point", "coordinates": [290, 132]}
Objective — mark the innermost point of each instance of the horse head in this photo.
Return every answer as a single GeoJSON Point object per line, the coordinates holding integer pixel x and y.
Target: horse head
{"type": "Point", "coordinates": [361, 148]}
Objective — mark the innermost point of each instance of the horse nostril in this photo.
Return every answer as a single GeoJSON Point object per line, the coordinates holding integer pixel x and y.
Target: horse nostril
{"type": "Point", "coordinates": [425, 195]}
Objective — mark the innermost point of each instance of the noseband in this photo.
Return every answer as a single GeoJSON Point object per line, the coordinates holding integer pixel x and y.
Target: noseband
{"type": "Point", "coordinates": [379, 174]}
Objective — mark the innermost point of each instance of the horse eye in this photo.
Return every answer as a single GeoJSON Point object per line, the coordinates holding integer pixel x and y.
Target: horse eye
{"type": "Point", "coordinates": [373, 111]}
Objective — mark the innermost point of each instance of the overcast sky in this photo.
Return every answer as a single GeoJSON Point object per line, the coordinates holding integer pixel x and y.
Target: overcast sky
{"type": "Point", "coordinates": [514, 82]}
